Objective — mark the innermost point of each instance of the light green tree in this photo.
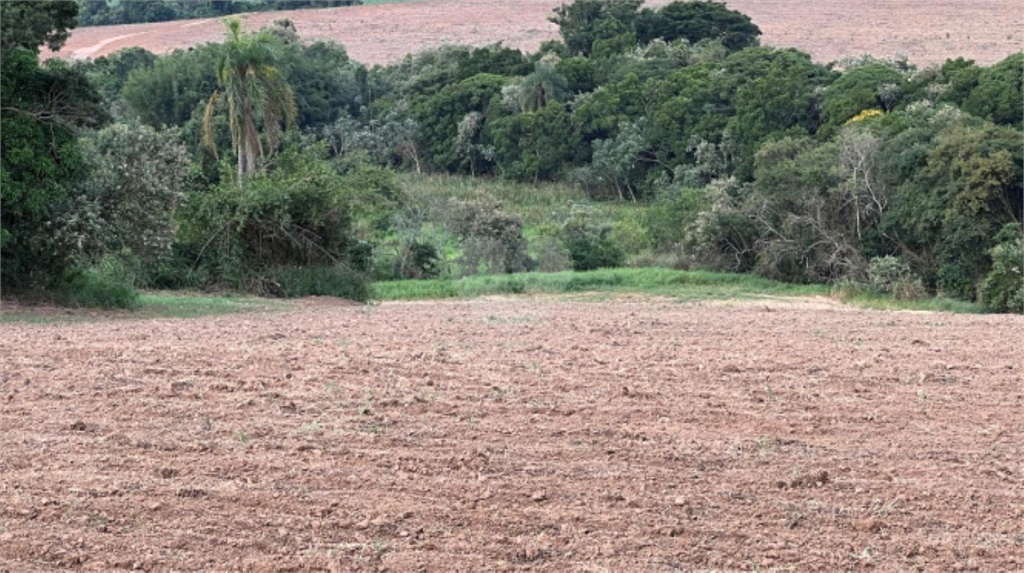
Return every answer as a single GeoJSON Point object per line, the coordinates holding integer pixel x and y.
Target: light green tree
{"type": "Point", "coordinates": [253, 89]}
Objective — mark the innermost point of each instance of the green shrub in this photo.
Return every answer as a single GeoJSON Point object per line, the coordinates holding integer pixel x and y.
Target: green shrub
{"type": "Point", "coordinates": [668, 259]}
{"type": "Point", "coordinates": [407, 259]}
{"type": "Point", "coordinates": [672, 214]}
{"type": "Point", "coordinates": [550, 254]}
{"type": "Point", "coordinates": [963, 260]}
{"type": "Point", "coordinates": [590, 253]}
{"type": "Point", "coordinates": [422, 261]}
{"type": "Point", "coordinates": [322, 280]}
{"type": "Point", "coordinates": [892, 275]}
{"type": "Point", "coordinates": [591, 281]}
{"type": "Point", "coordinates": [492, 240]}
{"type": "Point", "coordinates": [587, 234]}
{"type": "Point", "coordinates": [1003, 288]}
{"type": "Point", "coordinates": [174, 272]}
{"type": "Point", "coordinates": [512, 285]}
{"type": "Point", "coordinates": [630, 235]}
{"type": "Point", "coordinates": [298, 214]}
{"type": "Point", "coordinates": [108, 284]}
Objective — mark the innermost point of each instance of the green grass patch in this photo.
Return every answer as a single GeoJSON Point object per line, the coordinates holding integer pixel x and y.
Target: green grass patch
{"type": "Point", "coordinates": [160, 304]}
{"type": "Point", "coordinates": [930, 304]}
{"type": "Point", "coordinates": [679, 285]}
{"type": "Point", "coordinates": [682, 285]}
{"type": "Point", "coordinates": [169, 304]}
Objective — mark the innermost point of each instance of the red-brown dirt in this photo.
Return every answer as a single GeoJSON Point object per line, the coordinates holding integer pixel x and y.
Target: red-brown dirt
{"type": "Point", "coordinates": [515, 434]}
{"type": "Point", "coordinates": [924, 31]}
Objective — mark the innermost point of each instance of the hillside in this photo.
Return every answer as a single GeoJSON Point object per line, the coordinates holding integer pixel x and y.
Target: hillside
{"type": "Point", "coordinates": [926, 32]}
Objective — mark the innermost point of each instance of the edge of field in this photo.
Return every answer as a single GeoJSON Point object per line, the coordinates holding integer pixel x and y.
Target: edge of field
{"type": "Point", "coordinates": [598, 285]}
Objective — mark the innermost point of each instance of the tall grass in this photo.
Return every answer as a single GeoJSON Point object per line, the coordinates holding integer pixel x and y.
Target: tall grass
{"type": "Point", "coordinates": [535, 204]}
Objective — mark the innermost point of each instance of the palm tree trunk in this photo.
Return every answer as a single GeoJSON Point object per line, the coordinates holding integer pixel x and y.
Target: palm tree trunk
{"type": "Point", "coordinates": [241, 161]}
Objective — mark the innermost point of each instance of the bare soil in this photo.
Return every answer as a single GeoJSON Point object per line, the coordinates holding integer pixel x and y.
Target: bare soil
{"type": "Point", "coordinates": [515, 434]}
{"type": "Point", "coordinates": [926, 32]}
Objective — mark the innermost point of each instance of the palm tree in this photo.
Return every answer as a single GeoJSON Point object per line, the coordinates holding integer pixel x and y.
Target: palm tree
{"type": "Point", "coordinates": [545, 84]}
{"type": "Point", "coordinates": [253, 89]}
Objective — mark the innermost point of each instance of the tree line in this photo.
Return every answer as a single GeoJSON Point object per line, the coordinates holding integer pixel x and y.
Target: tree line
{"type": "Point", "coordinates": [746, 158]}
{"type": "Point", "coordinates": [111, 12]}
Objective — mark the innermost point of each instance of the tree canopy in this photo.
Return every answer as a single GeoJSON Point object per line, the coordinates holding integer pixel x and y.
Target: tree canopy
{"type": "Point", "coordinates": [29, 24]}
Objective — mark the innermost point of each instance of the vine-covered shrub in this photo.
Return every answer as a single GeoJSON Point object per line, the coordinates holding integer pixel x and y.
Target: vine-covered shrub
{"type": "Point", "coordinates": [288, 232]}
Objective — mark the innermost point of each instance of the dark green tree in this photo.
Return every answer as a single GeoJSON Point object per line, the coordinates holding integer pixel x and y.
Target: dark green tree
{"type": "Point", "coordinates": [109, 73]}
{"type": "Point", "coordinates": [874, 85]}
{"type": "Point", "coordinates": [580, 73]}
{"type": "Point", "coordinates": [323, 80]}
{"type": "Point", "coordinates": [493, 59]}
{"type": "Point", "coordinates": [955, 80]}
{"type": "Point", "coordinates": [585, 22]}
{"type": "Point", "coordinates": [31, 24]}
{"type": "Point", "coordinates": [954, 182]}
{"type": "Point", "coordinates": [696, 21]}
{"type": "Point", "coordinates": [534, 145]}
{"type": "Point", "coordinates": [40, 109]}
{"type": "Point", "coordinates": [777, 96]}
{"type": "Point", "coordinates": [440, 115]}
{"type": "Point", "coordinates": [171, 91]}
{"type": "Point", "coordinates": [999, 93]}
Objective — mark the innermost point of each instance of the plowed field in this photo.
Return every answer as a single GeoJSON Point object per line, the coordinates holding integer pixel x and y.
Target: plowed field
{"type": "Point", "coordinates": [515, 434]}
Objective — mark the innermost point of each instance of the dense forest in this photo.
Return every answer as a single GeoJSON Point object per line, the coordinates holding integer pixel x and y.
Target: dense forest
{"type": "Point", "coordinates": [268, 164]}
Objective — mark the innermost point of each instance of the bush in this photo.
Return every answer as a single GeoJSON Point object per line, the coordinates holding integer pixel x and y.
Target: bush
{"type": "Point", "coordinates": [722, 237]}
{"type": "Point", "coordinates": [1003, 288]}
{"type": "Point", "coordinates": [299, 281]}
{"type": "Point", "coordinates": [892, 275]}
{"type": "Point", "coordinates": [588, 237]}
{"type": "Point", "coordinates": [674, 212]}
{"type": "Point", "coordinates": [130, 196]}
{"type": "Point", "coordinates": [297, 215]}
{"type": "Point", "coordinates": [108, 284]}
{"type": "Point", "coordinates": [513, 285]}
{"type": "Point", "coordinates": [417, 260]}
{"type": "Point", "coordinates": [630, 236]}
{"type": "Point", "coordinates": [550, 254]}
{"type": "Point", "coordinates": [589, 253]}
{"type": "Point", "coordinates": [492, 240]}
